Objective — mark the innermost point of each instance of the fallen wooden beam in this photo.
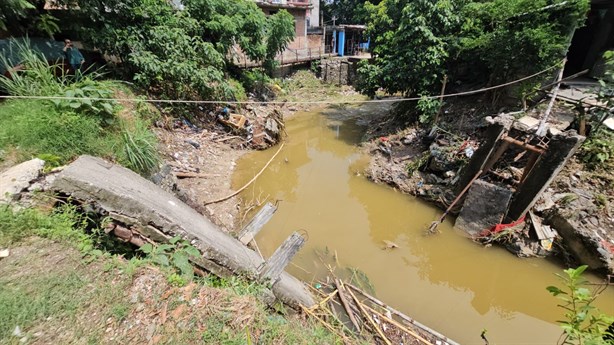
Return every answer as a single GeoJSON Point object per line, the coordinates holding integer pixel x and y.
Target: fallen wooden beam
{"type": "Point", "coordinates": [276, 264]}
{"type": "Point", "coordinates": [247, 234]}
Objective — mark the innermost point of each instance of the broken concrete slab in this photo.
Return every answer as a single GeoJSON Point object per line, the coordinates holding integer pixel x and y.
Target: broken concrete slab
{"type": "Point", "coordinates": [18, 178]}
{"type": "Point", "coordinates": [597, 253]}
{"type": "Point", "coordinates": [120, 191]}
{"type": "Point", "coordinates": [485, 206]}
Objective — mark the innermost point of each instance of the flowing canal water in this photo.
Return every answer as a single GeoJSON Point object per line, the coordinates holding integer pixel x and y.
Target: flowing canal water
{"type": "Point", "coordinates": [444, 281]}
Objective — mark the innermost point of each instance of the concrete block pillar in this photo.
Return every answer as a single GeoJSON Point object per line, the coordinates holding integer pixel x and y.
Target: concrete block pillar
{"type": "Point", "coordinates": [560, 150]}
{"type": "Point", "coordinates": [498, 127]}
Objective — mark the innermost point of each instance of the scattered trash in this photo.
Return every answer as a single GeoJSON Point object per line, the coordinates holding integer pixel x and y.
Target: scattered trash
{"type": "Point", "coordinates": [4, 253]}
{"type": "Point", "coordinates": [193, 143]}
{"type": "Point", "coordinates": [469, 151]}
{"type": "Point", "coordinates": [17, 331]}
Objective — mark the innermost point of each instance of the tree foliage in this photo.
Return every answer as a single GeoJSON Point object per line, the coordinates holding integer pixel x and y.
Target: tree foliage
{"type": "Point", "coordinates": [184, 52]}
{"type": "Point", "coordinates": [499, 40]}
{"type": "Point", "coordinates": [411, 40]}
{"type": "Point", "coordinates": [11, 10]}
{"type": "Point", "coordinates": [346, 11]}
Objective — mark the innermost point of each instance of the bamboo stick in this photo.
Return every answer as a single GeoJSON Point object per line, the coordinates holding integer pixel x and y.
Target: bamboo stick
{"type": "Point", "coordinates": [196, 175]}
{"type": "Point", "coordinates": [322, 302]}
{"type": "Point", "coordinates": [326, 324]}
{"type": "Point", "coordinates": [364, 312]}
{"type": "Point", "coordinates": [401, 315]}
{"type": "Point", "coordinates": [346, 305]}
{"type": "Point", "coordinates": [401, 327]}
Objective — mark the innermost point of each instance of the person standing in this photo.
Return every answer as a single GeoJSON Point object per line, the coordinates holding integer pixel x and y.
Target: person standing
{"type": "Point", "coordinates": [73, 56]}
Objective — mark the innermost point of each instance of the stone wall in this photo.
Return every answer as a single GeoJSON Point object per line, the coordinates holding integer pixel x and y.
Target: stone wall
{"type": "Point", "coordinates": [338, 71]}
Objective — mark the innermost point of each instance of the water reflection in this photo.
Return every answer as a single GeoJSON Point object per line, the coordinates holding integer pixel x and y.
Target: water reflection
{"type": "Point", "coordinates": [444, 281]}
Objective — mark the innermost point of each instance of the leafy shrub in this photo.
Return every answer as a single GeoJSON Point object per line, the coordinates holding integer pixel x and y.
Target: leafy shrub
{"type": "Point", "coordinates": [91, 98]}
{"type": "Point", "coordinates": [38, 79]}
{"type": "Point", "coordinates": [136, 149]}
{"type": "Point", "coordinates": [583, 323]}
{"type": "Point", "coordinates": [368, 78]}
{"type": "Point", "coordinates": [598, 150]}
{"type": "Point", "coordinates": [176, 255]}
{"type": "Point", "coordinates": [254, 80]}
{"type": "Point", "coordinates": [428, 108]}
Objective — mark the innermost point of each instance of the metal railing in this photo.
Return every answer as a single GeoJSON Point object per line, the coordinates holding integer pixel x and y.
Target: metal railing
{"type": "Point", "coordinates": [287, 57]}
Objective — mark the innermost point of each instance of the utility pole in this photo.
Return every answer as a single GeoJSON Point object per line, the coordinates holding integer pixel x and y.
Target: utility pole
{"type": "Point", "coordinates": [334, 41]}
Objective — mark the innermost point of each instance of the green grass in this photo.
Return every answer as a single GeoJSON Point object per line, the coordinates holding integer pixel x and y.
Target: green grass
{"type": "Point", "coordinates": [37, 127]}
{"type": "Point", "coordinates": [62, 129]}
{"type": "Point", "coordinates": [42, 297]}
{"type": "Point", "coordinates": [64, 224]}
{"type": "Point", "coordinates": [136, 148]}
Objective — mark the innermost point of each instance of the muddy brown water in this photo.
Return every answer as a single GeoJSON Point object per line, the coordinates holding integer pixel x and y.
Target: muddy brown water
{"type": "Point", "coordinates": [446, 281]}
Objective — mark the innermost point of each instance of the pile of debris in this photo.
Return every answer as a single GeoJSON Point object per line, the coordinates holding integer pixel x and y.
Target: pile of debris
{"type": "Point", "coordinates": [256, 129]}
{"type": "Point", "coordinates": [504, 184]}
{"type": "Point", "coordinates": [425, 164]}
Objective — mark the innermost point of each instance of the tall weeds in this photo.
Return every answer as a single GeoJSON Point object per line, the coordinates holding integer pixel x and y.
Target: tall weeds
{"type": "Point", "coordinates": [137, 147]}
{"type": "Point", "coordinates": [35, 77]}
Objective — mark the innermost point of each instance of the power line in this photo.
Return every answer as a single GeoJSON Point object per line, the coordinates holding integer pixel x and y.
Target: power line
{"type": "Point", "coordinates": [175, 101]}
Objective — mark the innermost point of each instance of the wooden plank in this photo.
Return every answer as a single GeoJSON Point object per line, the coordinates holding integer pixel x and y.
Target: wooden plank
{"type": "Point", "coordinates": [247, 234]}
{"type": "Point", "coordinates": [275, 265]}
{"type": "Point", "coordinates": [368, 317]}
{"type": "Point", "coordinates": [542, 232]}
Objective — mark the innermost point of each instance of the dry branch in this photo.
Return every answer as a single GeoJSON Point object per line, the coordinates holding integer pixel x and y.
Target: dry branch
{"type": "Point", "coordinates": [194, 175]}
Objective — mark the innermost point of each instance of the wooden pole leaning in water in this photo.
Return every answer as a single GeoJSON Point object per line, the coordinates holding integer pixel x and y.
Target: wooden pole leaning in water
{"type": "Point", "coordinates": [250, 181]}
{"type": "Point", "coordinates": [436, 223]}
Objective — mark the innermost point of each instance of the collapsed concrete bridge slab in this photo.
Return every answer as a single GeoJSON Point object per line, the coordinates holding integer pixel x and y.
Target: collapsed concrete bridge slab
{"type": "Point", "coordinates": [157, 214]}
